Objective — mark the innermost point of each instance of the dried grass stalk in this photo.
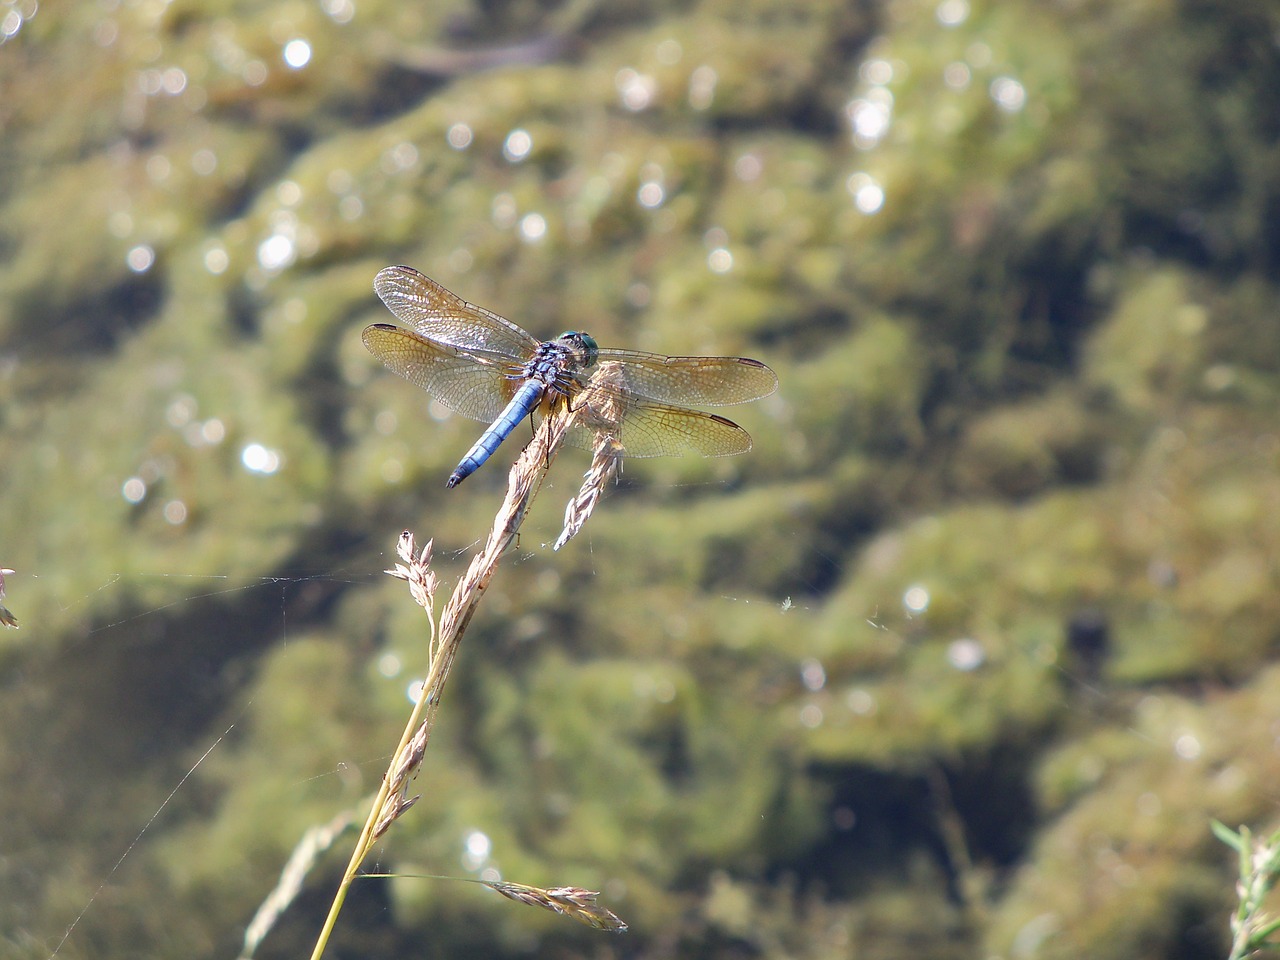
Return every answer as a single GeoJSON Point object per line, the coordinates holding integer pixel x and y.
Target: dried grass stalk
{"type": "Point", "coordinates": [600, 409]}
{"type": "Point", "coordinates": [604, 467]}
{"type": "Point", "coordinates": [573, 902]}
{"type": "Point", "coordinates": [392, 800]}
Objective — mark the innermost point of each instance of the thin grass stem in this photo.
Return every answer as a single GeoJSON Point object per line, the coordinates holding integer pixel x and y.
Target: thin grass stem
{"type": "Point", "coordinates": [390, 801]}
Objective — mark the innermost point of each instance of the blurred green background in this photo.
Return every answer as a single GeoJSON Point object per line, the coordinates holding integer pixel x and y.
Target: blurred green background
{"type": "Point", "coordinates": [957, 663]}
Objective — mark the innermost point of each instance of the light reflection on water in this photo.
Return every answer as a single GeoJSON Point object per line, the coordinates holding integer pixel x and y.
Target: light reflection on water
{"type": "Point", "coordinates": [517, 145]}
{"type": "Point", "coordinates": [13, 19]}
{"type": "Point", "coordinates": [296, 53]}
{"type": "Point", "coordinates": [1009, 95]}
{"type": "Point", "coordinates": [459, 136]}
{"type": "Point", "coordinates": [636, 90]}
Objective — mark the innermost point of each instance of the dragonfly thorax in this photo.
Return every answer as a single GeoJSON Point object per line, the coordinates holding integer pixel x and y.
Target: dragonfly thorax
{"type": "Point", "coordinates": [556, 363]}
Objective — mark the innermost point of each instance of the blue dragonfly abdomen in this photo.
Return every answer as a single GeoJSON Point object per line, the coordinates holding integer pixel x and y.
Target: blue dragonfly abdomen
{"type": "Point", "coordinates": [549, 373]}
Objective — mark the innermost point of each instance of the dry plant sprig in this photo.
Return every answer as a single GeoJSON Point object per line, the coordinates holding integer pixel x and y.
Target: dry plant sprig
{"type": "Point", "coordinates": [522, 484]}
{"type": "Point", "coordinates": [599, 408]}
{"type": "Point", "coordinates": [416, 569]}
{"type": "Point", "coordinates": [573, 902]}
{"type": "Point", "coordinates": [604, 466]}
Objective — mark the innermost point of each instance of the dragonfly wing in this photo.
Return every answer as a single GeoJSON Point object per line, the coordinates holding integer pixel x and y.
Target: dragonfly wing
{"type": "Point", "coordinates": [699, 381]}
{"type": "Point", "coordinates": [445, 317]}
{"type": "Point", "coordinates": [474, 387]}
{"type": "Point", "coordinates": [658, 430]}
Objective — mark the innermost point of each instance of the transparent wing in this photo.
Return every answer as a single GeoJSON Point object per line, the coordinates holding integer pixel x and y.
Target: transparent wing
{"type": "Point", "coordinates": [466, 384]}
{"type": "Point", "coordinates": [657, 430]}
{"type": "Point", "coordinates": [445, 317]}
{"type": "Point", "coordinates": [702, 381]}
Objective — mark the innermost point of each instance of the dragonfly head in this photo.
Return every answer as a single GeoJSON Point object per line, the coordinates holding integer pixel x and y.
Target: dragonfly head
{"type": "Point", "coordinates": [583, 344]}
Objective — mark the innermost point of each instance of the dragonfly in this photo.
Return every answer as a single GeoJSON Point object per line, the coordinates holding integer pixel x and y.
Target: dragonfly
{"type": "Point", "coordinates": [483, 366]}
